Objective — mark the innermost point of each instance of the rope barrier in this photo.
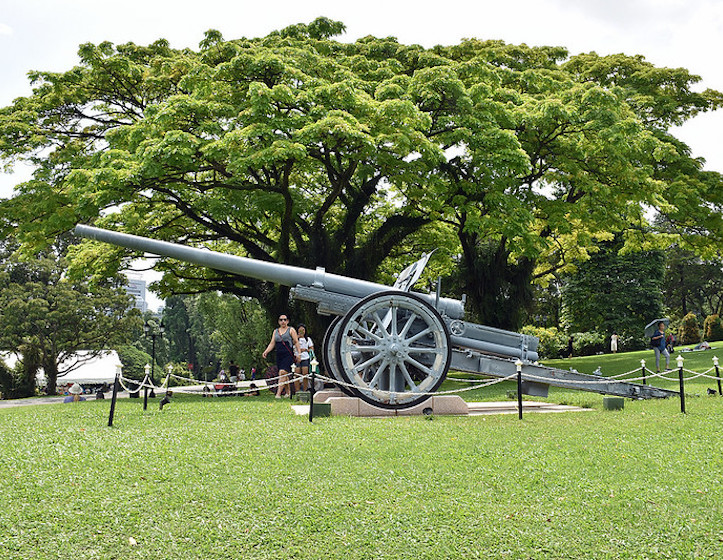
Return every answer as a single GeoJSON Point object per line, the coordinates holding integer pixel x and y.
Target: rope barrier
{"type": "Point", "coordinates": [416, 393]}
{"type": "Point", "coordinates": [276, 381]}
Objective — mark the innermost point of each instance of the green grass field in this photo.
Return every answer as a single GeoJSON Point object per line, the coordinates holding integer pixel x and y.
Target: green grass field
{"type": "Point", "coordinates": [247, 478]}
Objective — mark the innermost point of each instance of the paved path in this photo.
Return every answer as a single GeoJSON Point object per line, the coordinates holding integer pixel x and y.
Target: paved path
{"type": "Point", "coordinates": [11, 403]}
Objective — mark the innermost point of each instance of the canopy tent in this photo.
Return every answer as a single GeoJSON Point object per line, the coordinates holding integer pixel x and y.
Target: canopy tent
{"type": "Point", "coordinates": [82, 368]}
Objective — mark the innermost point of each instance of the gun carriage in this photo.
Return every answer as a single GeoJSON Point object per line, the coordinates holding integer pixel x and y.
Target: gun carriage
{"type": "Point", "coordinates": [388, 345]}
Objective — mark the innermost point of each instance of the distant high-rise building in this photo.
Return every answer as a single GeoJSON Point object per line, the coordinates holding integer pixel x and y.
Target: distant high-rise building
{"type": "Point", "coordinates": [136, 288]}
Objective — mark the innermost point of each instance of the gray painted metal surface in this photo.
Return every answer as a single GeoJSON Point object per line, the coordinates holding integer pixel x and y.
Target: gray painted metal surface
{"type": "Point", "coordinates": [535, 375]}
{"type": "Point", "coordinates": [389, 344]}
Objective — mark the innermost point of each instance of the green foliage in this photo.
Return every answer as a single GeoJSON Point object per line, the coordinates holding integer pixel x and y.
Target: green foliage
{"type": "Point", "coordinates": [48, 317]}
{"type": "Point", "coordinates": [236, 327]}
{"type": "Point", "coordinates": [614, 292]}
{"type": "Point", "coordinates": [693, 284]}
{"type": "Point", "coordinates": [134, 361]}
{"type": "Point", "coordinates": [713, 328]}
{"type": "Point", "coordinates": [689, 330]}
{"type": "Point", "coordinates": [553, 343]}
{"type": "Point", "coordinates": [300, 149]}
{"type": "Point", "coordinates": [589, 343]}
{"type": "Point", "coordinates": [17, 382]}
{"type": "Point", "coordinates": [213, 329]}
{"type": "Point", "coordinates": [181, 344]}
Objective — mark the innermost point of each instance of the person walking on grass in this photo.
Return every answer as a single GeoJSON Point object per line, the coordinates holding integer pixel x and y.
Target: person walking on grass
{"type": "Point", "coordinates": [658, 343]}
{"type": "Point", "coordinates": [284, 340]}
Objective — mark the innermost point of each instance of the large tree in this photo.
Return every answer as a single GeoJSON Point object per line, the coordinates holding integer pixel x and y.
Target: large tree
{"type": "Point", "coordinates": [47, 318]}
{"type": "Point", "coordinates": [304, 150]}
{"type": "Point", "coordinates": [550, 155]}
{"type": "Point", "coordinates": [693, 284]}
{"type": "Point", "coordinates": [614, 293]}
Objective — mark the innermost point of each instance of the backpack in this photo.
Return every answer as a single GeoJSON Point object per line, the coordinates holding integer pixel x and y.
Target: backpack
{"type": "Point", "coordinates": [653, 343]}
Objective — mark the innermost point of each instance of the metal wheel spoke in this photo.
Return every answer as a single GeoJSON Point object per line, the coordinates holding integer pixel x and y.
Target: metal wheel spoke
{"type": "Point", "coordinates": [426, 350]}
{"type": "Point", "coordinates": [374, 348]}
{"type": "Point", "coordinates": [419, 335]}
{"type": "Point", "coordinates": [395, 316]}
{"type": "Point", "coordinates": [420, 366]}
{"type": "Point", "coordinates": [371, 361]}
{"type": "Point", "coordinates": [367, 333]}
{"type": "Point", "coordinates": [374, 381]}
{"type": "Point", "coordinates": [380, 323]}
{"type": "Point", "coordinates": [410, 381]}
{"type": "Point", "coordinates": [408, 325]}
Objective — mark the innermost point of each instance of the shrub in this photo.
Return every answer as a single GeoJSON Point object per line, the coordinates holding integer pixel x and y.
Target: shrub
{"type": "Point", "coordinates": [588, 343]}
{"type": "Point", "coordinates": [713, 328]}
{"type": "Point", "coordinates": [134, 361]}
{"type": "Point", "coordinates": [553, 343]}
{"type": "Point", "coordinates": [689, 331]}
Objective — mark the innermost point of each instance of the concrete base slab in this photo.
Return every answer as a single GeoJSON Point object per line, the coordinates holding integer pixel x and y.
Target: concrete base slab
{"type": "Point", "coordinates": [441, 405]}
{"type": "Point", "coordinates": [510, 407]}
{"type": "Point", "coordinates": [326, 394]}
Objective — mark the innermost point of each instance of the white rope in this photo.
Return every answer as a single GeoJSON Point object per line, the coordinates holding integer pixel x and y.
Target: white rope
{"type": "Point", "coordinates": [416, 393]}
{"type": "Point", "coordinates": [210, 388]}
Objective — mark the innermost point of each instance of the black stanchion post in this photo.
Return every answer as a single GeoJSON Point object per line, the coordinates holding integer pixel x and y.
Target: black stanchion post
{"type": "Point", "coordinates": [680, 379]}
{"type": "Point", "coordinates": [717, 373]}
{"type": "Point", "coordinates": [116, 381]}
{"type": "Point", "coordinates": [292, 382]}
{"type": "Point", "coordinates": [518, 364]}
{"type": "Point", "coordinates": [642, 371]}
{"type": "Point", "coordinates": [312, 388]}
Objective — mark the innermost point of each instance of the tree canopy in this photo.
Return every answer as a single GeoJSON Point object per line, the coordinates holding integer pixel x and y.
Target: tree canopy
{"type": "Point", "coordinates": [48, 318]}
{"type": "Point", "coordinates": [301, 149]}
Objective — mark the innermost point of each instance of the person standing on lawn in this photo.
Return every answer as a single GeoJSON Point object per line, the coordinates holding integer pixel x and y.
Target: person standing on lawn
{"type": "Point", "coordinates": [614, 343]}
{"type": "Point", "coordinates": [658, 343]}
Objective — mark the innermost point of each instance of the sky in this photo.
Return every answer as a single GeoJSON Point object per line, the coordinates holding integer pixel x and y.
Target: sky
{"type": "Point", "coordinates": [45, 35]}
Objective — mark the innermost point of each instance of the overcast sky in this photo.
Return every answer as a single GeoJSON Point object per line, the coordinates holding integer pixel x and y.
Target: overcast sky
{"type": "Point", "coordinates": [45, 34]}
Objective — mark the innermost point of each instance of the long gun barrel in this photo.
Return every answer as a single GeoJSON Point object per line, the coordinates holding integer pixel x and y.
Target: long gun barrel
{"type": "Point", "coordinates": [282, 274]}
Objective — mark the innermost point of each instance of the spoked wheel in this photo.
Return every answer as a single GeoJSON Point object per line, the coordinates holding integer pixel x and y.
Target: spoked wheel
{"type": "Point", "coordinates": [330, 357]}
{"type": "Point", "coordinates": [394, 347]}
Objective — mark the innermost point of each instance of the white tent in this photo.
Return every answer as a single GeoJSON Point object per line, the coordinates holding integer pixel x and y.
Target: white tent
{"type": "Point", "coordinates": [83, 368]}
{"type": "Point", "coordinates": [92, 371]}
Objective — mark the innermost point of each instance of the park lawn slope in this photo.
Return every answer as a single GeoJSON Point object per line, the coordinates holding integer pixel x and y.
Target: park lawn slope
{"type": "Point", "coordinates": [223, 478]}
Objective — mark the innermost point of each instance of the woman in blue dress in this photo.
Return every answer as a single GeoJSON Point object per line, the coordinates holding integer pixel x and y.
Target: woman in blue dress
{"type": "Point", "coordinates": [284, 340]}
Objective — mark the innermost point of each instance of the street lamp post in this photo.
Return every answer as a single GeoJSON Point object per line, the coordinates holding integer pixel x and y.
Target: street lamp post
{"type": "Point", "coordinates": [153, 330]}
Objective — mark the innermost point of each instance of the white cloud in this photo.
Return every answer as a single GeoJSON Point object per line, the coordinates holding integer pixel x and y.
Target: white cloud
{"type": "Point", "coordinates": [5, 29]}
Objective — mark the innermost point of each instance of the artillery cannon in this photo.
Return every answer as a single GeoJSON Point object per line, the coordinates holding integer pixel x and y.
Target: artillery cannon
{"type": "Point", "coordinates": [388, 345]}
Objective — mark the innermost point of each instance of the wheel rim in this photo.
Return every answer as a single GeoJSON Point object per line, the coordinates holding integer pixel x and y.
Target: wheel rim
{"type": "Point", "coordinates": [331, 359]}
{"type": "Point", "coordinates": [393, 347]}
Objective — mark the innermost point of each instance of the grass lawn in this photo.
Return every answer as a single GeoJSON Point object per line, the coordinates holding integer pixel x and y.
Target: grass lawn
{"type": "Point", "coordinates": [246, 478]}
